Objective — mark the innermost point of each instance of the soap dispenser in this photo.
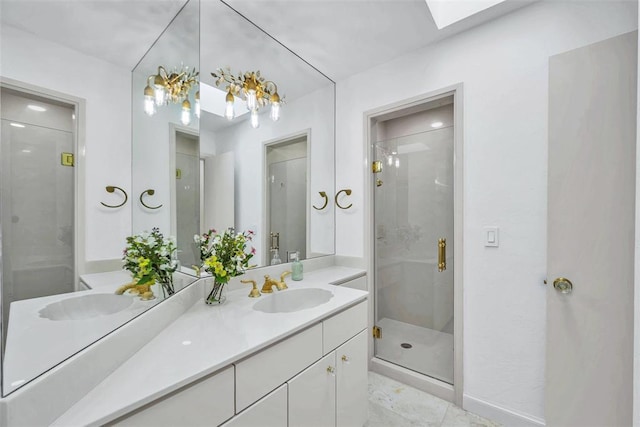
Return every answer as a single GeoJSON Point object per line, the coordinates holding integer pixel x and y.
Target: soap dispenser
{"type": "Point", "coordinates": [296, 267]}
{"type": "Point", "coordinates": [276, 257]}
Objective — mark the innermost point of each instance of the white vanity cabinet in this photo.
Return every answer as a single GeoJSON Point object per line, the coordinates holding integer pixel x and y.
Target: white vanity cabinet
{"type": "Point", "coordinates": [270, 411]}
{"type": "Point", "coordinates": [312, 395]}
{"type": "Point", "coordinates": [316, 377]}
{"type": "Point", "coordinates": [333, 391]}
{"type": "Point", "coordinates": [207, 402]}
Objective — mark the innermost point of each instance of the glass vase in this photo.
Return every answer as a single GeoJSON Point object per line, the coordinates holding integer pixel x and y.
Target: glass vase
{"type": "Point", "coordinates": [166, 283]}
{"type": "Point", "coordinates": [217, 293]}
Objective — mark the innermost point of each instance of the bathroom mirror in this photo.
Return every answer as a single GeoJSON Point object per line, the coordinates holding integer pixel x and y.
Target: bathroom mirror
{"type": "Point", "coordinates": [265, 179]}
{"type": "Point", "coordinates": [47, 315]}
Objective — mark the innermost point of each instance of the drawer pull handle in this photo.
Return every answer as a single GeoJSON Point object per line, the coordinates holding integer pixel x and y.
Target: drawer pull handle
{"type": "Point", "coordinates": [331, 370]}
{"type": "Point", "coordinates": [345, 359]}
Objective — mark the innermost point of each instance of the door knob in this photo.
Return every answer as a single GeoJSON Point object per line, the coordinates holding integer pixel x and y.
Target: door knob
{"type": "Point", "coordinates": [563, 285]}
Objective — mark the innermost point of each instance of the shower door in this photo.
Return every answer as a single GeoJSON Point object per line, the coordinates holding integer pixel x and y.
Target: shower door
{"type": "Point", "coordinates": [37, 200]}
{"type": "Point", "coordinates": [413, 226]}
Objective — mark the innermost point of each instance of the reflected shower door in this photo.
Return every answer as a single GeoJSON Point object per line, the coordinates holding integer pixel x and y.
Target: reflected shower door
{"type": "Point", "coordinates": [413, 202]}
{"type": "Point", "coordinates": [37, 213]}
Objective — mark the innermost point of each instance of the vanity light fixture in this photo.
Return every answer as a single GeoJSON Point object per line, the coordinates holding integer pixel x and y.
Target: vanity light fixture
{"type": "Point", "coordinates": [254, 89]}
{"type": "Point", "coordinates": [172, 87]}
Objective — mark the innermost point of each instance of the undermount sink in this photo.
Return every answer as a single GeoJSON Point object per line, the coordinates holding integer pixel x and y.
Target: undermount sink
{"type": "Point", "coordinates": [291, 300]}
{"type": "Point", "coordinates": [86, 307]}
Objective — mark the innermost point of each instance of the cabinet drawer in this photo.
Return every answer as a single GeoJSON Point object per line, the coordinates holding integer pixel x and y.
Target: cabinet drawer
{"type": "Point", "coordinates": [259, 374]}
{"type": "Point", "coordinates": [359, 283]}
{"type": "Point", "coordinates": [341, 327]}
{"type": "Point", "coordinates": [207, 402]}
{"type": "Point", "coordinates": [270, 411]}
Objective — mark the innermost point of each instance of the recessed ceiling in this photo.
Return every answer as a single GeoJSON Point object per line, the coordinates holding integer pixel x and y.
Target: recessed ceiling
{"type": "Point", "coordinates": [340, 38]}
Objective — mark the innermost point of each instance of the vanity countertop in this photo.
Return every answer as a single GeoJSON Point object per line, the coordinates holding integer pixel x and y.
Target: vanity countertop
{"type": "Point", "coordinates": [202, 341]}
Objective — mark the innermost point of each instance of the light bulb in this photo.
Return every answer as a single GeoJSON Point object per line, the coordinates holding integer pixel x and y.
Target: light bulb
{"type": "Point", "coordinates": [275, 111]}
{"type": "Point", "coordinates": [197, 106]}
{"type": "Point", "coordinates": [229, 111]}
{"type": "Point", "coordinates": [255, 121]}
{"type": "Point", "coordinates": [275, 106]}
{"type": "Point", "coordinates": [390, 160]}
{"type": "Point", "coordinates": [160, 96]}
{"type": "Point", "coordinates": [185, 118]}
{"type": "Point", "coordinates": [252, 100]}
{"type": "Point", "coordinates": [149, 102]}
{"type": "Point", "coordinates": [160, 90]}
{"type": "Point", "coordinates": [397, 162]}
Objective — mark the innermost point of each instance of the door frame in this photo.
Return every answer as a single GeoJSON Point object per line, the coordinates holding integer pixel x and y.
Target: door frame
{"type": "Point", "coordinates": [371, 117]}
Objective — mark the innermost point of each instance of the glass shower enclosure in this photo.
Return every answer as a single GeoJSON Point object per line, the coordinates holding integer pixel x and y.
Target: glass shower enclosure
{"type": "Point", "coordinates": [413, 228]}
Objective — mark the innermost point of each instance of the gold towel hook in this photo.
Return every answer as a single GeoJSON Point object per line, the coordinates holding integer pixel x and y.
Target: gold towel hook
{"type": "Point", "coordinates": [150, 192]}
{"type": "Point", "coordinates": [111, 189]}
{"type": "Point", "coordinates": [326, 201]}
{"type": "Point", "coordinates": [348, 193]}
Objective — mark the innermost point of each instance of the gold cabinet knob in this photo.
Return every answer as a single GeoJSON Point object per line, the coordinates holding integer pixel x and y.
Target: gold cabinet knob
{"type": "Point", "coordinates": [345, 359]}
{"type": "Point", "coordinates": [331, 370]}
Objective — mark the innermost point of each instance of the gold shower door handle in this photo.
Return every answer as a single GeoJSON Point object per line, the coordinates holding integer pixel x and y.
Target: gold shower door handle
{"type": "Point", "coordinates": [442, 255]}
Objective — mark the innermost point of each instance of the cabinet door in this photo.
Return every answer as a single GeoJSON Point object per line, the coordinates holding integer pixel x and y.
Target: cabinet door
{"type": "Point", "coordinates": [352, 382]}
{"type": "Point", "coordinates": [312, 395]}
{"type": "Point", "coordinates": [270, 411]}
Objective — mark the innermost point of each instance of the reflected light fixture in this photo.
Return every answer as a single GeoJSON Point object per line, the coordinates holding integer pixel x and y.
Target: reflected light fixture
{"type": "Point", "coordinates": [172, 87]}
{"type": "Point", "coordinates": [436, 124]}
{"type": "Point", "coordinates": [254, 89]}
{"type": "Point", "coordinates": [37, 108]}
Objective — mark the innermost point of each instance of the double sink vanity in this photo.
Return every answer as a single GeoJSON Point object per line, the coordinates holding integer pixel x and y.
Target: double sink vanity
{"type": "Point", "coordinates": [293, 357]}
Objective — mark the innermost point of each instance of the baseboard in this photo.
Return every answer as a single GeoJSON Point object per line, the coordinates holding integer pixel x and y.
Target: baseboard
{"type": "Point", "coordinates": [504, 416]}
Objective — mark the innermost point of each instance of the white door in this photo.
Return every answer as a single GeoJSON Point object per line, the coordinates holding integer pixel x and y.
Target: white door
{"type": "Point", "coordinates": [591, 193]}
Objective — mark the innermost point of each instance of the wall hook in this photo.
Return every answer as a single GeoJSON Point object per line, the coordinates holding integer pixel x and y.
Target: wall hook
{"type": "Point", "coordinates": [150, 192]}
{"type": "Point", "coordinates": [111, 189]}
{"type": "Point", "coordinates": [326, 201]}
{"type": "Point", "coordinates": [348, 193]}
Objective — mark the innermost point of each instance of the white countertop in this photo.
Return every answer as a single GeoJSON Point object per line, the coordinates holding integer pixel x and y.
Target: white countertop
{"type": "Point", "coordinates": [36, 343]}
{"type": "Point", "coordinates": [202, 341]}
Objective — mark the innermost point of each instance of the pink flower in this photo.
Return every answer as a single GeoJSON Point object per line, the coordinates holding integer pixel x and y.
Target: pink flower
{"type": "Point", "coordinates": [253, 251]}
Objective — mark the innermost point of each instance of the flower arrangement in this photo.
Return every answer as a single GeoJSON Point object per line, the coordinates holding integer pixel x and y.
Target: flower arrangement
{"type": "Point", "coordinates": [150, 259]}
{"type": "Point", "coordinates": [224, 255]}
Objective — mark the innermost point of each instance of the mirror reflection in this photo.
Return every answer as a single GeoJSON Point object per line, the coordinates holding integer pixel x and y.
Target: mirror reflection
{"type": "Point", "coordinates": [200, 160]}
{"type": "Point", "coordinates": [260, 147]}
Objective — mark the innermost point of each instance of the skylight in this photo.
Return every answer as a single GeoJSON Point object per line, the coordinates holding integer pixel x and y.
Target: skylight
{"type": "Point", "coordinates": [447, 12]}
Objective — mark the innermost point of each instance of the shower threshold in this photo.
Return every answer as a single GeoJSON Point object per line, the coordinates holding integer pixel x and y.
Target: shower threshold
{"type": "Point", "coordinates": [429, 352]}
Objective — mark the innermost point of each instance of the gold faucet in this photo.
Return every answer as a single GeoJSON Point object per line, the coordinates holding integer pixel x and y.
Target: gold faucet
{"type": "Point", "coordinates": [255, 293]}
{"type": "Point", "coordinates": [281, 285]}
{"type": "Point", "coordinates": [197, 269]}
{"type": "Point", "coordinates": [144, 291]}
{"type": "Point", "coordinates": [269, 283]}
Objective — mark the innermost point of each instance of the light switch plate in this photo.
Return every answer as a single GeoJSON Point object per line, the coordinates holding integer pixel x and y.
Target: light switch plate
{"type": "Point", "coordinates": [491, 237]}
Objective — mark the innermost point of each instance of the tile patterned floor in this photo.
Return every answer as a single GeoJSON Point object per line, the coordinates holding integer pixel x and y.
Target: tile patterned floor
{"type": "Point", "coordinates": [393, 404]}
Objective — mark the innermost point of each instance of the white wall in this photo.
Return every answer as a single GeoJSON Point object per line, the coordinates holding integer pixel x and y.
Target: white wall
{"type": "Point", "coordinates": [107, 91]}
{"type": "Point", "coordinates": [504, 68]}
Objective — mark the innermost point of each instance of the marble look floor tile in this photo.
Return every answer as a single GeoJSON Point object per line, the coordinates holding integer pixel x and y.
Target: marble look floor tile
{"type": "Point", "coordinates": [408, 402]}
{"type": "Point", "coordinates": [380, 416]}
{"type": "Point", "coordinates": [457, 417]}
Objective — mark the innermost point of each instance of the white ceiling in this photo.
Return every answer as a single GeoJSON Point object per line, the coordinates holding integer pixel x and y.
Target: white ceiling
{"type": "Point", "coordinates": [338, 37]}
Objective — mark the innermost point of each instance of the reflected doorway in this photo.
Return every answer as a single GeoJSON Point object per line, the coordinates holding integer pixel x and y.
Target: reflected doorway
{"type": "Point", "coordinates": [286, 199]}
